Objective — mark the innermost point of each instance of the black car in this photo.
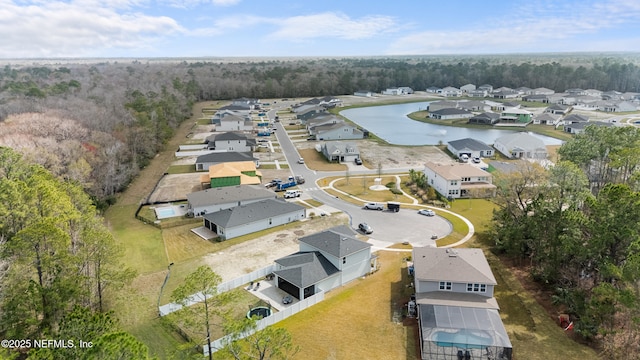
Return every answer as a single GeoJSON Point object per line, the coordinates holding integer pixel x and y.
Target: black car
{"type": "Point", "coordinates": [358, 161]}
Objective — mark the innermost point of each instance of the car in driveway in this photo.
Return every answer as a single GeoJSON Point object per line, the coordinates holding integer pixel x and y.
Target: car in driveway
{"type": "Point", "coordinates": [365, 228]}
{"type": "Point", "coordinates": [358, 161]}
{"type": "Point", "coordinates": [426, 212]}
{"type": "Point", "coordinates": [373, 206]}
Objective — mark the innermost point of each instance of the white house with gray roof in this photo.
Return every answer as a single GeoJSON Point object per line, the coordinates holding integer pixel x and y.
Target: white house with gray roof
{"type": "Point", "coordinates": [340, 151]}
{"type": "Point", "coordinates": [231, 141]}
{"type": "Point", "coordinates": [249, 218]}
{"type": "Point", "coordinates": [221, 198]}
{"type": "Point", "coordinates": [326, 260]}
{"type": "Point", "coordinates": [458, 316]}
{"type": "Point", "coordinates": [234, 123]}
{"type": "Point", "coordinates": [450, 113]}
{"type": "Point", "coordinates": [470, 147]}
{"type": "Point", "coordinates": [338, 131]}
{"type": "Point", "coordinates": [459, 180]}
{"type": "Point", "coordinates": [521, 145]}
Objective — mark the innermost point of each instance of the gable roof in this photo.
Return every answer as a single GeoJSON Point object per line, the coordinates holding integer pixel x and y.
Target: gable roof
{"type": "Point", "coordinates": [487, 116]}
{"type": "Point", "coordinates": [456, 171]}
{"type": "Point", "coordinates": [337, 241]}
{"type": "Point", "coordinates": [469, 143]}
{"type": "Point", "coordinates": [231, 135]}
{"type": "Point", "coordinates": [451, 111]}
{"type": "Point", "coordinates": [456, 265]}
{"type": "Point", "coordinates": [547, 117]}
{"type": "Point", "coordinates": [304, 269]}
{"type": "Point", "coordinates": [521, 140]}
{"type": "Point", "coordinates": [227, 156]}
{"type": "Point", "coordinates": [245, 214]}
{"type": "Point", "coordinates": [229, 194]}
{"type": "Point", "coordinates": [341, 147]}
{"type": "Point", "coordinates": [573, 118]}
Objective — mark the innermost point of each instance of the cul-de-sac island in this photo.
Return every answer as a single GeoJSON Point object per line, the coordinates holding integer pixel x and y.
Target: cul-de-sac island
{"type": "Point", "coordinates": [471, 222]}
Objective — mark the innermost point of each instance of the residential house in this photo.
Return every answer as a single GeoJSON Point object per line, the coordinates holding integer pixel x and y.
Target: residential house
{"type": "Point", "coordinates": [246, 103]}
{"type": "Point", "coordinates": [593, 92]}
{"type": "Point", "coordinates": [340, 151]}
{"type": "Point", "coordinates": [574, 118]}
{"type": "Point", "coordinates": [470, 147]}
{"type": "Point", "coordinates": [612, 95]}
{"type": "Point", "coordinates": [450, 113]}
{"type": "Point", "coordinates": [459, 180]}
{"type": "Point", "coordinates": [457, 312]}
{"type": "Point", "coordinates": [505, 94]}
{"type": "Point", "coordinates": [433, 89]}
{"type": "Point", "coordinates": [468, 87]}
{"type": "Point", "coordinates": [338, 131]}
{"type": "Point", "coordinates": [308, 111]}
{"type": "Point", "coordinates": [515, 115]}
{"type": "Point", "coordinates": [556, 98]}
{"type": "Point", "coordinates": [402, 90]}
{"type": "Point", "coordinates": [486, 118]}
{"type": "Point", "coordinates": [521, 145]}
{"type": "Point", "coordinates": [575, 91]}
{"type": "Point", "coordinates": [441, 104]}
{"type": "Point", "coordinates": [501, 106]}
{"type": "Point", "coordinates": [235, 108]}
{"type": "Point", "coordinates": [477, 93]}
{"type": "Point", "coordinates": [547, 119]}
{"type": "Point", "coordinates": [321, 119]}
{"type": "Point", "coordinates": [203, 162]}
{"type": "Point", "coordinates": [232, 174]}
{"type": "Point", "coordinates": [244, 114]}
{"type": "Point", "coordinates": [326, 260]}
{"type": "Point", "coordinates": [450, 91]}
{"type": "Point", "coordinates": [365, 93]}
{"type": "Point", "coordinates": [523, 90]}
{"type": "Point", "coordinates": [253, 217]}
{"type": "Point", "coordinates": [231, 141]}
{"type": "Point", "coordinates": [542, 91]}
{"type": "Point", "coordinates": [558, 109]}
{"type": "Point", "coordinates": [576, 128]}
{"type": "Point", "coordinates": [234, 123]}
{"type": "Point", "coordinates": [535, 98]}
{"type": "Point", "coordinates": [619, 106]}
{"type": "Point", "coordinates": [472, 105]}
{"type": "Point", "coordinates": [216, 199]}
{"type": "Point", "coordinates": [486, 87]}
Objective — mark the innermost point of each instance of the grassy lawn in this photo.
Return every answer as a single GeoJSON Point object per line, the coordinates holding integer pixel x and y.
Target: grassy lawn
{"type": "Point", "coordinates": [317, 161]}
{"type": "Point", "coordinates": [182, 244]}
{"type": "Point", "coordinates": [362, 320]}
{"type": "Point", "coordinates": [181, 169]}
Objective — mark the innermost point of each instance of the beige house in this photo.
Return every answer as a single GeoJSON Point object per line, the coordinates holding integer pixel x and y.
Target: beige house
{"type": "Point", "coordinates": [459, 180]}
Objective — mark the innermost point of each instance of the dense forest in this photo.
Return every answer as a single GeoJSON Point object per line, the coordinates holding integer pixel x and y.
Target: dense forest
{"type": "Point", "coordinates": [98, 124]}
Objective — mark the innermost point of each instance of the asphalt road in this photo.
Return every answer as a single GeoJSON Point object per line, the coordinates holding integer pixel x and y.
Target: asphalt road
{"type": "Point", "coordinates": [388, 227]}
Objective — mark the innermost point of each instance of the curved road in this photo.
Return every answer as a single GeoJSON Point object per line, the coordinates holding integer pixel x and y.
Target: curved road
{"type": "Point", "coordinates": [389, 228]}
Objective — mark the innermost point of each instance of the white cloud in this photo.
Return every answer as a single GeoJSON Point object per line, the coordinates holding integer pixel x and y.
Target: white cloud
{"type": "Point", "coordinates": [334, 25]}
{"type": "Point", "coordinates": [62, 29]}
{"type": "Point", "coordinates": [188, 4]}
{"type": "Point", "coordinates": [535, 27]}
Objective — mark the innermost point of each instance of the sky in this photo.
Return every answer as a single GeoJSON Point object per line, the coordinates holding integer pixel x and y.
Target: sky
{"type": "Point", "coordinates": [268, 28]}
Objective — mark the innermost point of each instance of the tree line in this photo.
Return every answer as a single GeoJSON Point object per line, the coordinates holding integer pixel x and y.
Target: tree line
{"type": "Point", "coordinates": [575, 228]}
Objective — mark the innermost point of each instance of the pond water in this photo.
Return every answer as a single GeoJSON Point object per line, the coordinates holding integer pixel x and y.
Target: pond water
{"type": "Point", "coordinates": [391, 123]}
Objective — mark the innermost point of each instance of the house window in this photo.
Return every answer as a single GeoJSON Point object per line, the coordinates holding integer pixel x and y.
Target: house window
{"type": "Point", "coordinates": [477, 288]}
{"type": "Point", "coordinates": [270, 221]}
{"type": "Point", "coordinates": [445, 285]}
{"type": "Point", "coordinates": [454, 182]}
{"type": "Point", "coordinates": [344, 260]}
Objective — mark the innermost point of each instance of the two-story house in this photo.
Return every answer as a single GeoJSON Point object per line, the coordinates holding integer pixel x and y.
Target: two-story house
{"type": "Point", "coordinates": [326, 260]}
{"type": "Point", "coordinates": [459, 180]}
{"type": "Point", "coordinates": [231, 141]}
{"type": "Point", "coordinates": [458, 315]}
{"type": "Point", "coordinates": [340, 151]}
{"type": "Point", "coordinates": [232, 174]}
{"type": "Point", "coordinates": [234, 123]}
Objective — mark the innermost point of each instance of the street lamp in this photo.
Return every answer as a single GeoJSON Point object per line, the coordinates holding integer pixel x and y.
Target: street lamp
{"type": "Point", "coordinates": [166, 278]}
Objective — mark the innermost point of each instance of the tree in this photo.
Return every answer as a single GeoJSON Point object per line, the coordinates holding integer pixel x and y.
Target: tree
{"type": "Point", "coordinates": [202, 286]}
{"type": "Point", "coordinates": [245, 342]}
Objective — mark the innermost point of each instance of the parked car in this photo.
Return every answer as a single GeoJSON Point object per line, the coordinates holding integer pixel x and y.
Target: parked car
{"type": "Point", "coordinates": [464, 158]}
{"type": "Point", "coordinates": [301, 161]}
{"type": "Point", "coordinates": [373, 206]}
{"type": "Point", "coordinates": [287, 300]}
{"type": "Point", "coordinates": [365, 228]}
{"type": "Point", "coordinates": [292, 194]}
{"type": "Point", "coordinates": [426, 212]}
{"type": "Point", "coordinates": [358, 161]}
{"type": "Point", "coordinates": [476, 160]}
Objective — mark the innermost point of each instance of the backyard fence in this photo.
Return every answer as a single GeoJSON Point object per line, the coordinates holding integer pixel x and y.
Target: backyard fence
{"type": "Point", "coordinates": [267, 321]}
{"type": "Point", "coordinates": [223, 287]}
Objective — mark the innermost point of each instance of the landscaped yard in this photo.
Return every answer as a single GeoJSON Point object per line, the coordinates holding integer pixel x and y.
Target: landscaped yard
{"type": "Point", "coordinates": [316, 161]}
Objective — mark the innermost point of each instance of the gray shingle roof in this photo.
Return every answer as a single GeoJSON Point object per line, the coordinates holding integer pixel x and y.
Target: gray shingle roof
{"type": "Point", "coordinates": [305, 268]}
{"type": "Point", "coordinates": [455, 265]}
{"type": "Point", "coordinates": [337, 241]}
{"type": "Point", "coordinates": [253, 212]}
{"type": "Point", "coordinates": [229, 194]}
{"type": "Point", "coordinates": [451, 111]}
{"type": "Point", "coordinates": [469, 143]}
{"type": "Point", "coordinates": [231, 135]}
{"type": "Point", "coordinates": [227, 156]}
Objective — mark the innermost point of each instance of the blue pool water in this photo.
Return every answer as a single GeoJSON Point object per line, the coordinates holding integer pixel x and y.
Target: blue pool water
{"type": "Point", "coordinates": [164, 213]}
{"type": "Point", "coordinates": [461, 340]}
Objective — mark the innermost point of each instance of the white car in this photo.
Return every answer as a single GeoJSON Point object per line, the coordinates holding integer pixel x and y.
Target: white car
{"type": "Point", "coordinates": [292, 194]}
{"type": "Point", "coordinates": [301, 161]}
{"type": "Point", "coordinates": [373, 206]}
{"type": "Point", "coordinates": [426, 212]}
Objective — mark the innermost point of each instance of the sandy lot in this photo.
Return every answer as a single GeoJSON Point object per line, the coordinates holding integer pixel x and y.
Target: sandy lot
{"type": "Point", "coordinates": [258, 253]}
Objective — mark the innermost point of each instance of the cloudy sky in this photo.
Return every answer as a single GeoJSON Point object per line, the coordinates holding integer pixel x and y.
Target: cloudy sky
{"type": "Point", "coordinates": [201, 28]}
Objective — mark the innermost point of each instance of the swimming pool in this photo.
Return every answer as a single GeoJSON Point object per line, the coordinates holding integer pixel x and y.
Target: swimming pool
{"type": "Point", "coordinates": [461, 339]}
{"type": "Point", "coordinates": [162, 213]}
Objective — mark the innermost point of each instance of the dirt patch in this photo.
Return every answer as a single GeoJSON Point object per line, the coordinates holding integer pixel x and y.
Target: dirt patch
{"type": "Point", "coordinates": [255, 254]}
